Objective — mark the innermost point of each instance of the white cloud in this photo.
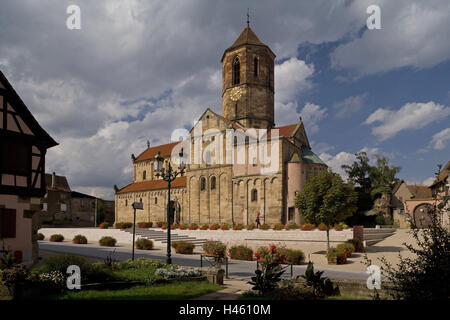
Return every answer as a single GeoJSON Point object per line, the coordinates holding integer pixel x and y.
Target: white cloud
{"type": "Point", "coordinates": [350, 105]}
{"type": "Point", "coordinates": [427, 182]}
{"type": "Point", "coordinates": [414, 34]}
{"type": "Point", "coordinates": [291, 78]}
{"type": "Point", "coordinates": [311, 115]}
{"type": "Point", "coordinates": [411, 116]}
{"type": "Point", "coordinates": [440, 139]}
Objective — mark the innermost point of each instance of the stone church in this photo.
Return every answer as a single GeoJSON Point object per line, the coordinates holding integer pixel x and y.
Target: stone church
{"type": "Point", "coordinates": [236, 191]}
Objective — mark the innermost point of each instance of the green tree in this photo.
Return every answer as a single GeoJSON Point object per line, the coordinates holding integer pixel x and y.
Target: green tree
{"type": "Point", "coordinates": [326, 199]}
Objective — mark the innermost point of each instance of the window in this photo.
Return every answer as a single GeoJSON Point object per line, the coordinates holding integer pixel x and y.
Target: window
{"type": "Point", "coordinates": [14, 157]}
{"type": "Point", "coordinates": [7, 223]}
{"type": "Point", "coordinates": [255, 67]}
{"type": "Point", "coordinates": [126, 202]}
{"type": "Point", "coordinates": [236, 71]}
{"type": "Point", "coordinates": [156, 200]}
{"type": "Point", "coordinates": [255, 161]}
{"type": "Point", "coordinates": [44, 206]}
{"type": "Point", "coordinates": [82, 204]}
{"type": "Point", "coordinates": [213, 183]}
{"type": "Point", "coordinates": [63, 207]}
{"type": "Point", "coordinates": [144, 175]}
{"type": "Point", "coordinates": [203, 184]}
{"type": "Point", "coordinates": [254, 195]}
{"type": "Point", "coordinates": [140, 200]}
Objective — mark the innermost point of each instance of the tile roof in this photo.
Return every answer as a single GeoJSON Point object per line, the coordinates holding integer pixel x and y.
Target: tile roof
{"type": "Point", "coordinates": [152, 185]}
{"type": "Point", "coordinates": [284, 131]}
{"type": "Point", "coordinates": [420, 192]}
{"type": "Point", "coordinates": [150, 153]}
{"type": "Point", "coordinates": [61, 183]}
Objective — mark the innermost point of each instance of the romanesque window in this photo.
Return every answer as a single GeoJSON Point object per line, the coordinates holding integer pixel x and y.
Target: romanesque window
{"type": "Point", "coordinates": [156, 200]}
{"type": "Point", "coordinates": [254, 195]}
{"type": "Point", "coordinates": [213, 183]}
{"type": "Point", "coordinates": [126, 202]}
{"type": "Point", "coordinates": [255, 161]}
{"type": "Point", "coordinates": [255, 67]}
{"type": "Point", "coordinates": [291, 212]}
{"type": "Point", "coordinates": [140, 200]}
{"type": "Point", "coordinates": [236, 71]}
{"type": "Point", "coordinates": [144, 175]}
{"type": "Point", "coordinates": [203, 184]}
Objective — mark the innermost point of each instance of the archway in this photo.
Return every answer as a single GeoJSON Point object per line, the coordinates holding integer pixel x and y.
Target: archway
{"type": "Point", "coordinates": [421, 215]}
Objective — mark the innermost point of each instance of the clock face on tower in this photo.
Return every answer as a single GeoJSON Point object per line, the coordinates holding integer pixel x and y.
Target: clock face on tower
{"type": "Point", "coordinates": [235, 94]}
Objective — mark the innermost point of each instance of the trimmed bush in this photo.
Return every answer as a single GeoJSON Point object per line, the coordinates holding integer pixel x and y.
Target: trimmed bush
{"type": "Point", "coordinates": [183, 247]}
{"type": "Point", "coordinates": [174, 226]}
{"type": "Point", "coordinates": [307, 227]}
{"type": "Point", "coordinates": [104, 225]}
{"type": "Point", "coordinates": [291, 256]}
{"type": "Point", "coordinates": [359, 246]}
{"type": "Point", "coordinates": [241, 253]}
{"type": "Point", "coordinates": [204, 227]}
{"type": "Point", "coordinates": [183, 226]}
{"type": "Point", "coordinates": [123, 225]}
{"type": "Point", "coordinates": [79, 239]}
{"type": "Point", "coordinates": [264, 226]}
{"type": "Point", "coordinates": [215, 248]}
{"type": "Point", "coordinates": [57, 238]}
{"type": "Point", "coordinates": [159, 224]}
{"type": "Point", "coordinates": [251, 226]}
{"type": "Point", "coordinates": [338, 227]}
{"type": "Point", "coordinates": [225, 226]}
{"type": "Point", "coordinates": [144, 225]}
{"type": "Point", "coordinates": [292, 226]}
{"type": "Point", "coordinates": [347, 248]}
{"type": "Point", "coordinates": [278, 226]}
{"type": "Point", "coordinates": [40, 236]}
{"type": "Point", "coordinates": [322, 227]}
{"type": "Point", "coordinates": [164, 226]}
{"type": "Point", "coordinates": [144, 244]}
{"type": "Point", "coordinates": [107, 242]}
{"type": "Point", "coordinates": [214, 226]}
{"type": "Point", "coordinates": [336, 256]}
{"type": "Point", "coordinates": [193, 226]}
{"type": "Point", "coordinates": [238, 227]}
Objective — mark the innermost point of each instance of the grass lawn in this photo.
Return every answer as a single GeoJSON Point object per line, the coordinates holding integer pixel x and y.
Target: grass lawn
{"type": "Point", "coordinates": [172, 291]}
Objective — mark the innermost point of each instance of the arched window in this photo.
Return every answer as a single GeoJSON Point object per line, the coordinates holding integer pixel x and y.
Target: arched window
{"type": "Point", "coordinates": [156, 200]}
{"type": "Point", "coordinates": [254, 195]}
{"type": "Point", "coordinates": [126, 202]}
{"type": "Point", "coordinates": [140, 200]}
{"type": "Point", "coordinates": [203, 184]}
{"type": "Point", "coordinates": [144, 175]}
{"type": "Point", "coordinates": [213, 183]}
{"type": "Point", "coordinates": [255, 67]}
{"type": "Point", "coordinates": [236, 71]}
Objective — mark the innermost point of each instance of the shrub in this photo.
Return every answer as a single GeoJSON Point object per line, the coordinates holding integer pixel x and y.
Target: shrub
{"type": "Point", "coordinates": [251, 226]}
{"type": "Point", "coordinates": [104, 225]}
{"type": "Point", "coordinates": [322, 286]}
{"type": "Point", "coordinates": [164, 226]}
{"type": "Point", "coordinates": [307, 227]}
{"type": "Point", "coordinates": [214, 227]}
{"type": "Point", "coordinates": [193, 226]}
{"type": "Point", "coordinates": [144, 244]}
{"type": "Point", "coordinates": [264, 226]}
{"type": "Point", "coordinates": [107, 242]}
{"type": "Point", "coordinates": [57, 238]}
{"type": "Point", "coordinates": [267, 279]}
{"type": "Point", "coordinates": [145, 225]}
{"type": "Point", "coordinates": [338, 227]}
{"type": "Point", "coordinates": [278, 226]}
{"type": "Point", "coordinates": [123, 225]}
{"type": "Point", "coordinates": [238, 227]}
{"type": "Point", "coordinates": [347, 248]}
{"type": "Point", "coordinates": [359, 246]}
{"type": "Point", "coordinates": [292, 226]}
{"type": "Point", "coordinates": [204, 227]}
{"type": "Point", "coordinates": [291, 256]}
{"type": "Point", "coordinates": [322, 227]}
{"type": "Point", "coordinates": [215, 248]}
{"type": "Point", "coordinates": [184, 226]}
{"type": "Point", "coordinates": [269, 255]}
{"type": "Point", "coordinates": [183, 247]}
{"type": "Point", "coordinates": [159, 224]}
{"type": "Point", "coordinates": [40, 236]}
{"type": "Point", "coordinates": [225, 226]}
{"type": "Point", "coordinates": [178, 273]}
{"type": "Point", "coordinates": [79, 239]}
{"type": "Point", "coordinates": [241, 253]}
{"type": "Point", "coordinates": [336, 256]}
{"type": "Point", "coordinates": [174, 226]}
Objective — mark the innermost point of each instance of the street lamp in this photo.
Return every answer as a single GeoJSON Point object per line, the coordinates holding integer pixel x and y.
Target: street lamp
{"type": "Point", "coordinates": [168, 175]}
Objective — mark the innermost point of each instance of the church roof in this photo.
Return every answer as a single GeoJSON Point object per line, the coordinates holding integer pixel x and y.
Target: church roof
{"type": "Point", "coordinates": [247, 37]}
{"type": "Point", "coordinates": [150, 185]}
{"type": "Point", "coordinates": [150, 153]}
{"type": "Point", "coordinates": [310, 157]}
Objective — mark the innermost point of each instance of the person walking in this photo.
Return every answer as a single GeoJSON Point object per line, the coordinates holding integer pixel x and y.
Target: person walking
{"type": "Point", "coordinates": [258, 222]}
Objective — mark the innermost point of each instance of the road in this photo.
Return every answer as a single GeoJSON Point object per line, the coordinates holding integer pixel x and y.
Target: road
{"type": "Point", "coordinates": [237, 269]}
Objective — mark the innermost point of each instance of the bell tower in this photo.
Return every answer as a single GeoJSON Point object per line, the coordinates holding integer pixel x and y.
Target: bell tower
{"type": "Point", "coordinates": [248, 82]}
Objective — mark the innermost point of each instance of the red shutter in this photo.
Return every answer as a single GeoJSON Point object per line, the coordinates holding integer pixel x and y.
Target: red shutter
{"type": "Point", "coordinates": [7, 223]}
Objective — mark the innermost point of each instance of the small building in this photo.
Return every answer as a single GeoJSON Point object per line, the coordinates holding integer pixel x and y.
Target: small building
{"type": "Point", "coordinates": [23, 146]}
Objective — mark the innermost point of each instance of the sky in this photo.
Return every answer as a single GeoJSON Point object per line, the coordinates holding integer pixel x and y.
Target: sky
{"type": "Point", "coordinates": [137, 70]}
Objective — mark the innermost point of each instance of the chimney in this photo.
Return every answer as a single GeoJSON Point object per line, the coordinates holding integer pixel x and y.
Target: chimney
{"type": "Point", "coordinates": [148, 144]}
{"type": "Point", "coordinates": [53, 180]}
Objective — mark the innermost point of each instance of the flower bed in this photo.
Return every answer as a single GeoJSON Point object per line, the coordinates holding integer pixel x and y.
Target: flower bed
{"type": "Point", "coordinates": [183, 247]}
{"type": "Point", "coordinates": [359, 246]}
{"type": "Point", "coordinates": [292, 226]}
{"type": "Point", "coordinates": [307, 227]}
{"type": "Point", "coordinates": [193, 226]}
{"type": "Point", "coordinates": [336, 256]}
{"type": "Point", "coordinates": [204, 227]}
{"type": "Point", "coordinates": [278, 226]}
{"type": "Point", "coordinates": [144, 225]}
{"type": "Point", "coordinates": [215, 249]}
{"type": "Point", "coordinates": [225, 226]}
{"type": "Point", "coordinates": [178, 273]}
{"type": "Point", "coordinates": [123, 225]}
{"type": "Point", "coordinates": [238, 227]}
{"type": "Point", "coordinates": [347, 248]}
{"type": "Point", "coordinates": [251, 226]}
{"type": "Point", "coordinates": [104, 225]}
{"type": "Point", "coordinates": [214, 227]}
{"type": "Point", "coordinates": [322, 227]}
{"type": "Point", "coordinates": [241, 253]}
{"type": "Point", "coordinates": [264, 226]}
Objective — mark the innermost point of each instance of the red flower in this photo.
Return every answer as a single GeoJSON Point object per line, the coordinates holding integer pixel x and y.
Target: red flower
{"type": "Point", "coordinates": [273, 249]}
{"type": "Point", "coordinates": [257, 255]}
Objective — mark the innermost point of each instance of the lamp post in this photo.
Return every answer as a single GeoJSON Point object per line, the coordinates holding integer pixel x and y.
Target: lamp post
{"type": "Point", "coordinates": [168, 175]}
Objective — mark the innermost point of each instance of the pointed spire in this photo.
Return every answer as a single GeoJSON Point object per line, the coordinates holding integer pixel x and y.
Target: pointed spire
{"type": "Point", "coordinates": [248, 18]}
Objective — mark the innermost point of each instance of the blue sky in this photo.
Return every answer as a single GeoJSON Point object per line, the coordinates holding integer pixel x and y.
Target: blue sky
{"type": "Point", "coordinates": [137, 70]}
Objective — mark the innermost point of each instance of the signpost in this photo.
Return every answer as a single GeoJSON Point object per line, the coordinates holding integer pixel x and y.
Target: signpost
{"type": "Point", "coordinates": [136, 206]}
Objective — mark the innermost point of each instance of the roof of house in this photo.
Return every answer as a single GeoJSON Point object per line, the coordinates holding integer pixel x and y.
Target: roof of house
{"type": "Point", "coordinates": [152, 185]}
{"type": "Point", "coordinates": [310, 157]}
{"type": "Point", "coordinates": [420, 192]}
{"type": "Point", "coordinates": [164, 149]}
{"type": "Point", "coordinates": [75, 194]}
{"type": "Point", "coordinates": [61, 183]}
{"type": "Point", "coordinates": [27, 116]}
{"type": "Point", "coordinates": [443, 174]}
